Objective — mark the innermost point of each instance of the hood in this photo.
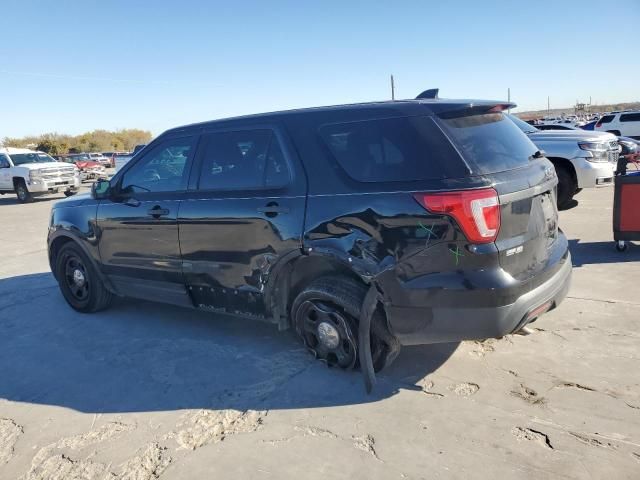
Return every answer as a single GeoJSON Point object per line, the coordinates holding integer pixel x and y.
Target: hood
{"type": "Point", "coordinates": [574, 135]}
{"type": "Point", "coordinates": [75, 200]}
{"type": "Point", "coordinates": [40, 166]}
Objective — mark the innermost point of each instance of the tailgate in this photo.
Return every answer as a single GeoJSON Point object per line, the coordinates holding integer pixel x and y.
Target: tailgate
{"type": "Point", "coordinates": [529, 219]}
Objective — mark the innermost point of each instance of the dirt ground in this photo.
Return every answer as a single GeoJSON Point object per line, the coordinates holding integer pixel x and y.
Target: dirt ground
{"type": "Point", "coordinates": [146, 391]}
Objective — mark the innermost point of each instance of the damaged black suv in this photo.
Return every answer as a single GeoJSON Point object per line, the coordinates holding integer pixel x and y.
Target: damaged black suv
{"type": "Point", "coordinates": [361, 227]}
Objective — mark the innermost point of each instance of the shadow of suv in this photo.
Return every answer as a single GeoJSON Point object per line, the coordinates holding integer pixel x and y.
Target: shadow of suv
{"type": "Point", "coordinates": [440, 213]}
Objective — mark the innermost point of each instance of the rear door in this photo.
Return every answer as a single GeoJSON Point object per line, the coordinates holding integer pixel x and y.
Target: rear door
{"type": "Point", "coordinates": [496, 148]}
{"type": "Point", "coordinates": [244, 211]}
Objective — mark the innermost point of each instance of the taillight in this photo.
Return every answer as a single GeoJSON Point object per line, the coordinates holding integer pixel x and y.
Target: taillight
{"type": "Point", "coordinates": [598, 125]}
{"type": "Point", "coordinates": [476, 211]}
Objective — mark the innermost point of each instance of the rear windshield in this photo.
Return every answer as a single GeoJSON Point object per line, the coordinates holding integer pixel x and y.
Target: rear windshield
{"type": "Point", "coordinates": [489, 142]}
{"type": "Point", "coordinates": [393, 149]}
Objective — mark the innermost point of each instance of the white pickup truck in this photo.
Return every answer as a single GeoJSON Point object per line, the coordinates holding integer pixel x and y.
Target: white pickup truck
{"type": "Point", "coordinates": [28, 173]}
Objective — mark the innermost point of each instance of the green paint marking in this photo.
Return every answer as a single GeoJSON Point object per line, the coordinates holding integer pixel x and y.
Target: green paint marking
{"type": "Point", "coordinates": [457, 253]}
{"type": "Point", "coordinates": [429, 231]}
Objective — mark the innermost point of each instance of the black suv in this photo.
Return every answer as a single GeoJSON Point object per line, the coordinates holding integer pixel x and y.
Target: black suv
{"type": "Point", "coordinates": [442, 209]}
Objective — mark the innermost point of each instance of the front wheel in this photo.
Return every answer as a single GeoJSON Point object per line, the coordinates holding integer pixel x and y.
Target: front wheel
{"type": "Point", "coordinates": [69, 193]}
{"type": "Point", "coordinates": [22, 192]}
{"type": "Point", "coordinates": [79, 282]}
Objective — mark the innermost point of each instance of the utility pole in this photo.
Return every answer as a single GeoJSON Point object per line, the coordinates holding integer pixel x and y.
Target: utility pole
{"type": "Point", "coordinates": [548, 106]}
{"type": "Point", "coordinates": [393, 89]}
{"type": "Point", "coordinates": [509, 99]}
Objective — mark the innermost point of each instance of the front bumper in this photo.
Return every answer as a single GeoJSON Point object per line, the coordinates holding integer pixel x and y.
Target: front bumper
{"type": "Point", "coordinates": [464, 321]}
{"type": "Point", "coordinates": [54, 185]}
{"type": "Point", "coordinates": [593, 174]}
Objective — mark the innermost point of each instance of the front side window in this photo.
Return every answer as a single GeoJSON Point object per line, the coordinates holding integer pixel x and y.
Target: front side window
{"type": "Point", "coordinates": [162, 169]}
{"type": "Point", "coordinates": [4, 162]}
{"type": "Point", "coordinates": [242, 160]}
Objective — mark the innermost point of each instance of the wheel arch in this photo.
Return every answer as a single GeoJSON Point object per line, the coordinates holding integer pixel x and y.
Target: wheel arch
{"type": "Point", "coordinates": [294, 273]}
{"type": "Point", "coordinates": [61, 238]}
{"type": "Point", "coordinates": [16, 180]}
{"type": "Point", "coordinates": [566, 164]}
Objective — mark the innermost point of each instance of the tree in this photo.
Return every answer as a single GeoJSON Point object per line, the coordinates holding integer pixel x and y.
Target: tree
{"type": "Point", "coordinates": [48, 146]}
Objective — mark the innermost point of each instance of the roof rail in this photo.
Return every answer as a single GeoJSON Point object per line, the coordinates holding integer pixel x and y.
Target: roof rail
{"type": "Point", "coordinates": [431, 93]}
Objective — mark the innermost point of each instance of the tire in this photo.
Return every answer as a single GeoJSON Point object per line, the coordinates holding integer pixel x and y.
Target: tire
{"type": "Point", "coordinates": [22, 192]}
{"type": "Point", "coordinates": [83, 291]}
{"type": "Point", "coordinates": [615, 132]}
{"type": "Point", "coordinates": [621, 246]}
{"type": "Point", "coordinates": [69, 193]}
{"type": "Point", "coordinates": [336, 301]}
{"type": "Point", "coordinates": [566, 186]}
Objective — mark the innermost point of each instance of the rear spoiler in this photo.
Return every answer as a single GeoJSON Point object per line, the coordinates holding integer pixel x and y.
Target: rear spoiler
{"type": "Point", "coordinates": [462, 108]}
{"type": "Point", "coordinates": [466, 110]}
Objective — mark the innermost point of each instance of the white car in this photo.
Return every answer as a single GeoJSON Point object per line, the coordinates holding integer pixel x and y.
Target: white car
{"type": "Point", "coordinates": [100, 158]}
{"type": "Point", "coordinates": [28, 173]}
{"type": "Point", "coordinates": [625, 124]}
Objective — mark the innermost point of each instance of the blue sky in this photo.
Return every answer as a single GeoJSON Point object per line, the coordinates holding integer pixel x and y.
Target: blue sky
{"type": "Point", "coordinates": [73, 66]}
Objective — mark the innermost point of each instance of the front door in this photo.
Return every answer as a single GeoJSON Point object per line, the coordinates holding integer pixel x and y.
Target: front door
{"type": "Point", "coordinates": [138, 227]}
{"type": "Point", "coordinates": [244, 211]}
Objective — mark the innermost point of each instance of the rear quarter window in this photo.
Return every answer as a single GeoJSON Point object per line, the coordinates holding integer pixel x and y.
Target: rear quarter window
{"type": "Point", "coordinates": [606, 119]}
{"type": "Point", "coordinates": [630, 117]}
{"type": "Point", "coordinates": [490, 142]}
{"type": "Point", "coordinates": [393, 150]}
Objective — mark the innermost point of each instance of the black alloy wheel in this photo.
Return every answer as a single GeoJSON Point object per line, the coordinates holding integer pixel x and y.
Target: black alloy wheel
{"type": "Point", "coordinates": [328, 332]}
{"type": "Point", "coordinates": [76, 278]}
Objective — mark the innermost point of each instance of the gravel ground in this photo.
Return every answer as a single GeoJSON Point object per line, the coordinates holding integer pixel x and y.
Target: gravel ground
{"type": "Point", "coordinates": [147, 391]}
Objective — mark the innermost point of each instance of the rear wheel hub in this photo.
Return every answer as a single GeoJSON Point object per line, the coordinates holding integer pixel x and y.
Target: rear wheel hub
{"type": "Point", "coordinates": [327, 332]}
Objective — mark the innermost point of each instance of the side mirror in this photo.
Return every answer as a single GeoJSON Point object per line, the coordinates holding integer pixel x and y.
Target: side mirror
{"type": "Point", "coordinates": [101, 189]}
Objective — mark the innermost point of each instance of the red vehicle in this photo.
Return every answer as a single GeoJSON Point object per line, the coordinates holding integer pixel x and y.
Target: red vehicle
{"type": "Point", "coordinates": [88, 168]}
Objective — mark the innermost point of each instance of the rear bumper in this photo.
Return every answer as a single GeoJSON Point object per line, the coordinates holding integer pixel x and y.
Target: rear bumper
{"type": "Point", "coordinates": [423, 325]}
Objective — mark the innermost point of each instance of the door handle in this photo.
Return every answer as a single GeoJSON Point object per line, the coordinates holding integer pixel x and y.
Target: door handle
{"type": "Point", "coordinates": [158, 211]}
{"type": "Point", "coordinates": [272, 209]}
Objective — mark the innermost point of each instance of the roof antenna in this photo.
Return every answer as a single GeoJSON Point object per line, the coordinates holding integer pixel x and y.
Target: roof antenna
{"type": "Point", "coordinates": [431, 93]}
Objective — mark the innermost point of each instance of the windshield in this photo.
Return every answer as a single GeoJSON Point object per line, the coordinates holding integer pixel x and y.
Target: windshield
{"type": "Point", "coordinates": [522, 125]}
{"type": "Point", "coordinates": [22, 158]}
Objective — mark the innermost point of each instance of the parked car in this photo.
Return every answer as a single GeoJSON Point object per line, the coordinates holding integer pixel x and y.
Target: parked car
{"type": "Point", "coordinates": [629, 149]}
{"type": "Point", "coordinates": [582, 159]}
{"type": "Point", "coordinates": [89, 169]}
{"type": "Point", "coordinates": [620, 124]}
{"type": "Point", "coordinates": [28, 173]}
{"type": "Point", "coordinates": [554, 126]}
{"type": "Point", "coordinates": [443, 209]}
{"type": "Point", "coordinates": [111, 156]}
{"type": "Point", "coordinates": [101, 159]}
{"type": "Point", "coordinates": [120, 159]}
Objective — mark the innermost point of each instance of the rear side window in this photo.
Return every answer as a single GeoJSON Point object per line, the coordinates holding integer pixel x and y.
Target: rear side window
{"type": "Point", "coordinates": [630, 117]}
{"type": "Point", "coordinates": [243, 160]}
{"type": "Point", "coordinates": [606, 119]}
{"type": "Point", "coordinates": [393, 149]}
{"type": "Point", "coordinates": [490, 142]}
